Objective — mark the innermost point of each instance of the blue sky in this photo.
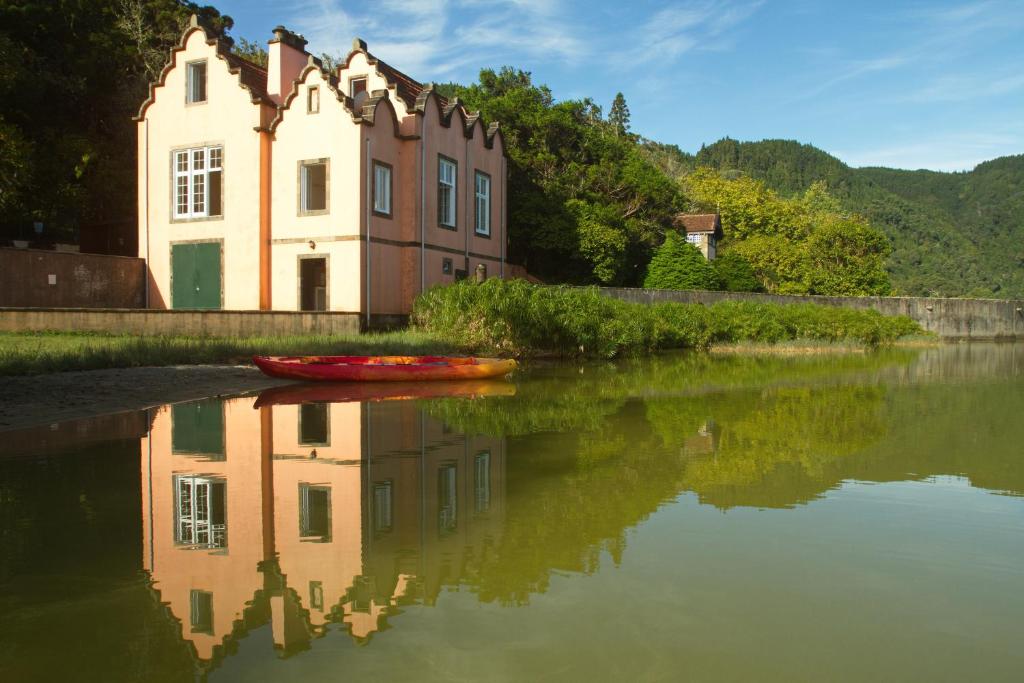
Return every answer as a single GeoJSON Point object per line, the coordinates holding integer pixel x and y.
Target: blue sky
{"type": "Point", "coordinates": [935, 84]}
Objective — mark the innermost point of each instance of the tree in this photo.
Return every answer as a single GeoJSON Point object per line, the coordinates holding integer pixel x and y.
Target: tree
{"type": "Point", "coordinates": [251, 50]}
{"type": "Point", "coordinates": [587, 207]}
{"type": "Point", "coordinates": [618, 116]}
{"type": "Point", "coordinates": [804, 245]}
{"type": "Point", "coordinates": [72, 75]}
{"type": "Point", "coordinates": [677, 264]}
{"type": "Point", "coordinates": [735, 274]}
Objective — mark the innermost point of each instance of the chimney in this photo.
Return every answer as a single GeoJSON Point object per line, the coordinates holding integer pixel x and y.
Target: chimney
{"type": "Point", "coordinates": [286, 58]}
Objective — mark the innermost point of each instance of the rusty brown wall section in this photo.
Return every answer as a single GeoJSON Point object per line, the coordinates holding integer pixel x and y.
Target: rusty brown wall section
{"type": "Point", "coordinates": [979, 319]}
{"type": "Point", "coordinates": [37, 278]}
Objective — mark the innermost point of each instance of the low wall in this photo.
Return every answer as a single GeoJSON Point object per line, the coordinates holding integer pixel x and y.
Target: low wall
{"type": "Point", "coordinates": [34, 277]}
{"type": "Point", "coordinates": [979, 319]}
{"type": "Point", "coordinates": [191, 323]}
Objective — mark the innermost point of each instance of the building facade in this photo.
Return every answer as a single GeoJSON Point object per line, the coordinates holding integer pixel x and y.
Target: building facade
{"type": "Point", "coordinates": [292, 187]}
{"type": "Point", "coordinates": [703, 230]}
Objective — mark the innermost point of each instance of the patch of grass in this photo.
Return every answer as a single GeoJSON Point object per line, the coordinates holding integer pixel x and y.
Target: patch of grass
{"type": "Point", "coordinates": [516, 318]}
{"type": "Point", "coordinates": [37, 353]}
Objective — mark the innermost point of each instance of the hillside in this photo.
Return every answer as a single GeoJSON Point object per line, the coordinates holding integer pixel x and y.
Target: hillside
{"type": "Point", "coordinates": [953, 234]}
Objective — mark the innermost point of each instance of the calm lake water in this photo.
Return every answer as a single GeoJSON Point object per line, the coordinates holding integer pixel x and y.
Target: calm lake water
{"type": "Point", "coordinates": [686, 517]}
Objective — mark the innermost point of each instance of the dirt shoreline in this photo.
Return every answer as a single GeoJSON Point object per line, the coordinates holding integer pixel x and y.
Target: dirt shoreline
{"type": "Point", "coordinates": [37, 400]}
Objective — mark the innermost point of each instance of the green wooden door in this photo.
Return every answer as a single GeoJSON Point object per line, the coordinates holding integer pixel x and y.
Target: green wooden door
{"type": "Point", "coordinates": [195, 275]}
{"type": "Point", "coordinates": [197, 428]}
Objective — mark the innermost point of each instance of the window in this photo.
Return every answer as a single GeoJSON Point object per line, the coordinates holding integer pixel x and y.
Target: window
{"type": "Point", "coordinates": [447, 497]}
{"type": "Point", "coordinates": [482, 482]}
{"type": "Point", "coordinates": [313, 186]}
{"type": "Point", "coordinates": [446, 266]}
{"type": "Point", "coordinates": [201, 611]}
{"type": "Point", "coordinates": [314, 424]}
{"type": "Point", "coordinates": [693, 238]}
{"type": "Point", "coordinates": [357, 90]}
{"type": "Point", "coordinates": [195, 82]}
{"type": "Point", "coordinates": [483, 204]}
{"type": "Point", "coordinates": [381, 189]}
{"type": "Point", "coordinates": [446, 170]}
{"type": "Point", "coordinates": [316, 595]}
{"type": "Point", "coordinates": [199, 512]}
{"type": "Point", "coordinates": [315, 513]}
{"type": "Point", "coordinates": [313, 100]}
{"type": "Point", "coordinates": [198, 182]}
{"type": "Point", "coordinates": [382, 507]}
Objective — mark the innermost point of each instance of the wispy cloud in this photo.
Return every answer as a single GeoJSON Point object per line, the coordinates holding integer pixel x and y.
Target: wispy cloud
{"type": "Point", "coordinates": [435, 38]}
{"type": "Point", "coordinates": [679, 28]}
{"type": "Point", "coordinates": [951, 152]}
{"type": "Point", "coordinates": [962, 87]}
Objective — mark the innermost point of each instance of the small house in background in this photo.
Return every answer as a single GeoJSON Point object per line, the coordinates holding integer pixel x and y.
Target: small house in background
{"type": "Point", "coordinates": [296, 187]}
{"type": "Point", "coordinates": [703, 230]}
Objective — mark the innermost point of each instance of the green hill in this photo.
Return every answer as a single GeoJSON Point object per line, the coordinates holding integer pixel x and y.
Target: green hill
{"type": "Point", "coordinates": [953, 234]}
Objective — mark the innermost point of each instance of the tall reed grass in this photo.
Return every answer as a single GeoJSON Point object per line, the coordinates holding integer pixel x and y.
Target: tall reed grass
{"type": "Point", "coordinates": [514, 317]}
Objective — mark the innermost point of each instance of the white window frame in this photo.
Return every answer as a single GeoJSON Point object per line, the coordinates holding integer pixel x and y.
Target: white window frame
{"type": "Point", "coordinates": [382, 188]}
{"type": "Point", "coordinates": [190, 189]}
{"type": "Point", "coordinates": [190, 82]}
{"type": "Point", "coordinates": [694, 238]}
{"type": "Point", "coordinates": [304, 166]}
{"type": "Point", "coordinates": [313, 99]}
{"type": "Point", "coordinates": [482, 188]}
{"type": "Point", "coordinates": [447, 185]}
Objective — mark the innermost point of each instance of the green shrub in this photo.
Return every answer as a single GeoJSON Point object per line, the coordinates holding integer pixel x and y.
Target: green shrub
{"type": "Point", "coordinates": [678, 264]}
{"type": "Point", "coordinates": [517, 318]}
{"type": "Point", "coordinates": [735, 274]}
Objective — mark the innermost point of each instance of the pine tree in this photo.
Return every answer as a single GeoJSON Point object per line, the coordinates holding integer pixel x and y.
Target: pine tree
{"type": "Point", "coordinates": [618, 116]}
{"type": "Point", "coordinates": [677, 264]}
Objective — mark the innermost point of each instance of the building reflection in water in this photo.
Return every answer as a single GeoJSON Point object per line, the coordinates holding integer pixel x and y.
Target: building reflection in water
{"type": "Point", "coordinates": [309, 515]}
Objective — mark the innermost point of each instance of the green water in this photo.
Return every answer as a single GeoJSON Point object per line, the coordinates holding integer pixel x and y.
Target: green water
{"type": "Point", "coordinates": [682, 518]}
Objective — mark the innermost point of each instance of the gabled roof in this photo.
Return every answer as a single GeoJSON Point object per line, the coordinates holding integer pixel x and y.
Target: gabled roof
{"type": "Point", "coordinates": [251, 77]}
{"type": "Point", "coordinates": [406, 87]}
{"type": "Point", "coordinates": [700, 223]}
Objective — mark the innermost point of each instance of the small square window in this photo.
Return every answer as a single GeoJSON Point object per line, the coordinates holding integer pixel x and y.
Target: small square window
{"type": "Point", "coordinates": [356, 86]}
{"type": "Point", "coordinates": [446, 266]}
{"type": "Point", "coordinates": [313, 186]}
{"type": "Point", "coordinates": [313, 100]}
{"type": "Point", "coordinates": [195, 88]}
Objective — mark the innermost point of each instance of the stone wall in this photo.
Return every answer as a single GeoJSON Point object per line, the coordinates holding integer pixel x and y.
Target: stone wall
{"type": "Point", "coordinates": [978, 319]}
{"type": "Point", "coordinates": [190, 323]}
{"type": "Point", "coordinates": [31, 277]}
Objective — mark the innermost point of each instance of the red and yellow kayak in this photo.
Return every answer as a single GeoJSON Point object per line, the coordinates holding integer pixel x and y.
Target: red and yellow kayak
{"type": "Point", "coordinates": [382, 368]}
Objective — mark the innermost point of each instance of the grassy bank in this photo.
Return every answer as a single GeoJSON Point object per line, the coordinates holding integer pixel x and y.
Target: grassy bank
{"type": "Point", "coordinates": [516, 318]}
{"type": "Point", "coordinates": [30, 354]}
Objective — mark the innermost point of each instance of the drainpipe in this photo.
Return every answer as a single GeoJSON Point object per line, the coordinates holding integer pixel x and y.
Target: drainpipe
{"type": "Point", "coordinates": [423, 202]}
{"type": "Point", "coordinates": [145, 274]}
{"type": "Point", "coordinates": [504, 204]}
{"type": "Point", "coordinates": [369, 209]}
{"type": "Point", "coordinates": [465, 201]}
{"type": "Point", "coordinates": [266, 291]}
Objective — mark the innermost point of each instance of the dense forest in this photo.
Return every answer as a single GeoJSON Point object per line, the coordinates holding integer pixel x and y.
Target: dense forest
{"type": "Point", "coordinates": [590, 201]}
{"type": "Point", "coordinates": [953, 234]}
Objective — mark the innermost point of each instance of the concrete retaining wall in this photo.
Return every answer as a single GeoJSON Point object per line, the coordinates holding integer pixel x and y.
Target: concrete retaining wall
{"type": "Point", "coordinates": [33, 277]}
{"type": "Point", "coordinates": [979, 319]}
{"type": "Point", "coordinates": [191, 323]}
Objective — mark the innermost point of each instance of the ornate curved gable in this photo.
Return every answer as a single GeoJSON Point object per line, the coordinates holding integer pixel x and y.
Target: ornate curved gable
{"type": "Point", "coordinates": [251, 77]}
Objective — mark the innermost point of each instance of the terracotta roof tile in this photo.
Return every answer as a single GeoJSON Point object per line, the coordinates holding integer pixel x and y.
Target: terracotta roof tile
{"type": "Point", "coordinates": [252, 75]}
{"type": "Point", "coordinates": [699, 222]}
{"type": "Point", "coordinates": [408, 87]}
